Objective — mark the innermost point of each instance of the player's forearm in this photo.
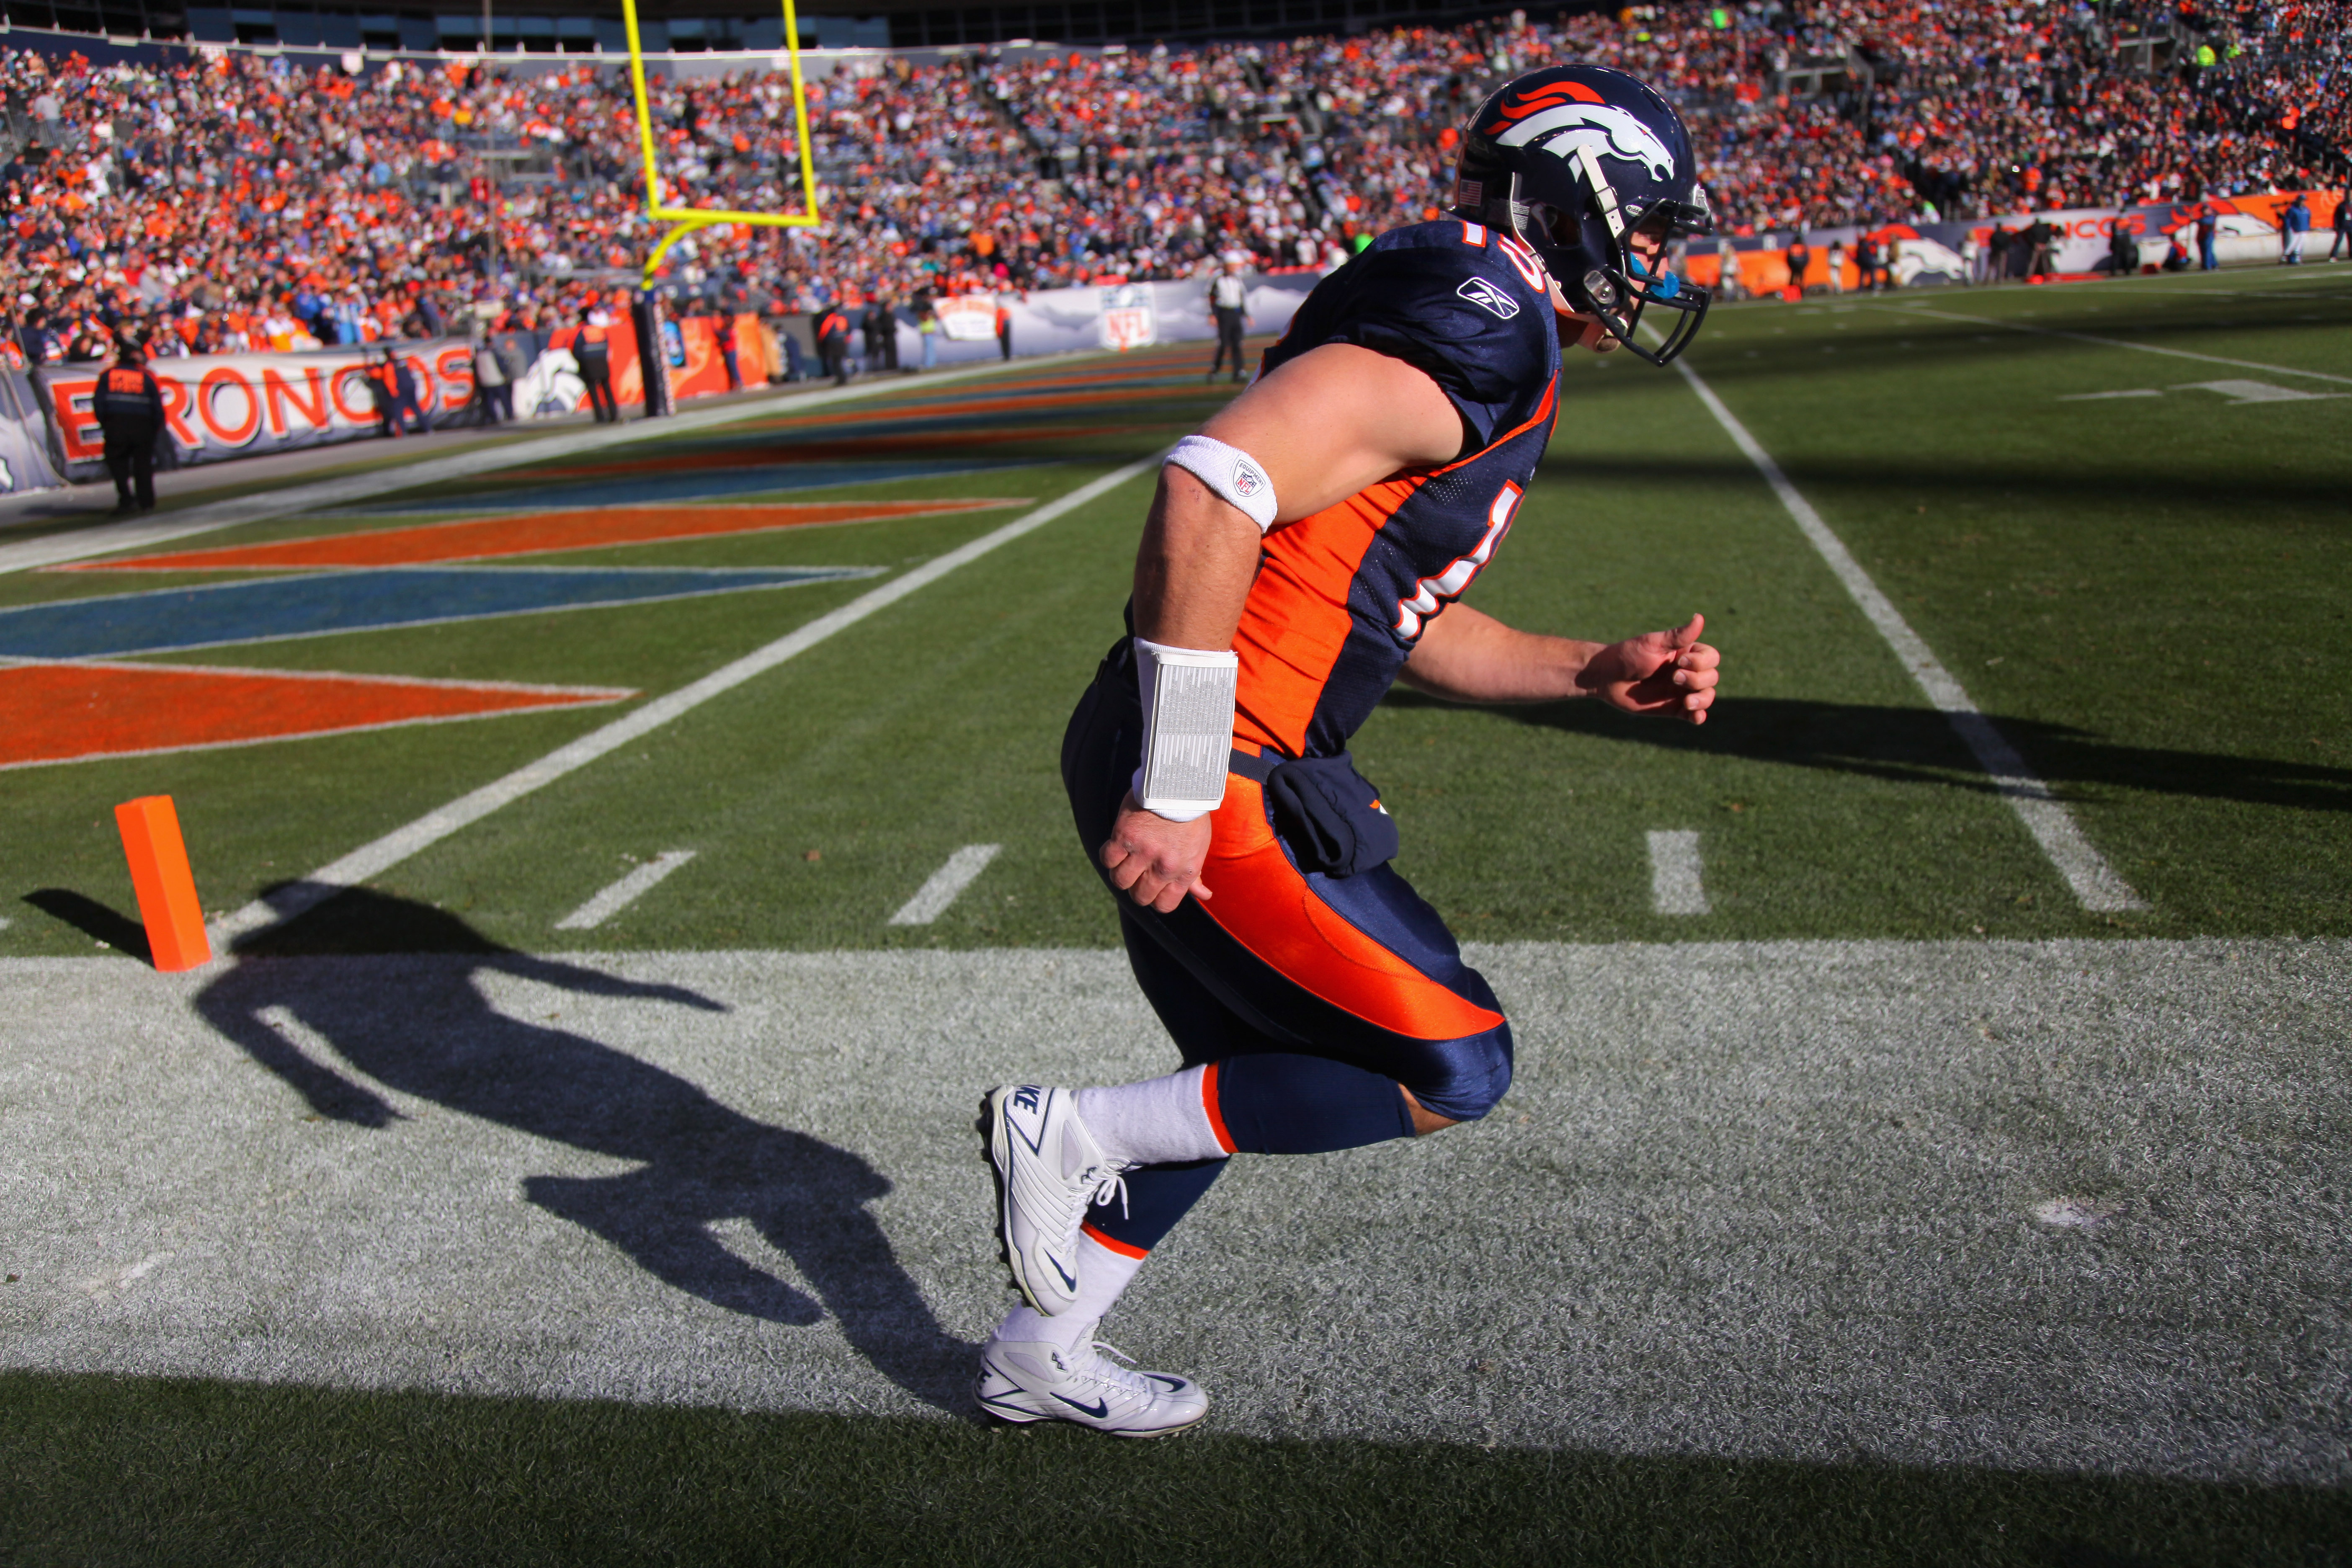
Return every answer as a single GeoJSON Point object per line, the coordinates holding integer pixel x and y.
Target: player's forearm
{"type": "Point", "coordinates": [1194, 567]}
{"type": "Point", "coordinates": [1464, 656]}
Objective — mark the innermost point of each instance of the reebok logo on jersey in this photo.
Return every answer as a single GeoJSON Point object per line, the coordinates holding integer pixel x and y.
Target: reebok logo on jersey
{"type": "Point", "coordinates": [1488, 298]}
{"type": "Point", "coordinates": [1247, 481]}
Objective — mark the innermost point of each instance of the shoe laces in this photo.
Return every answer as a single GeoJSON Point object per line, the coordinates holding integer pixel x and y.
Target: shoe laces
{"type": "Point", "coordinates": [1108, 1178]}
{"type": "Point", "coordinates": [1103, 1370]}
{"type": "Point", "coordinates": [1095, 1184]}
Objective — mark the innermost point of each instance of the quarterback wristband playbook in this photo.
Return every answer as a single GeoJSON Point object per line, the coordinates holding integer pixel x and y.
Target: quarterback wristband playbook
{"type": "Point", "coordinates": [1231, 472]}
{"type": "Point", "coordinates": [1188, 728]}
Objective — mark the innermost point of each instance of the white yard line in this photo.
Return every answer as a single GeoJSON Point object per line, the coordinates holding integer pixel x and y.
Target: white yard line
{"type": "Point", "coordinates": [2085, 870]}
{"type": "Point", "coordinates": [106, 539]}
{"type": "Point", "coordinates": [931, 901]}
{"type": "Point", "coordinates": [2113, 343]}
{"type": "Point", "coordinates": [1675, 886]}
{"type": "Point", "coordinates": [374, 860]}
{"type": "Point", "coordinates": [624, 892]}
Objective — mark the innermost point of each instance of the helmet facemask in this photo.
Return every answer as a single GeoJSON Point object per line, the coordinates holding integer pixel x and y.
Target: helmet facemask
{"type": "Point", "coordinates": [1590, 254]}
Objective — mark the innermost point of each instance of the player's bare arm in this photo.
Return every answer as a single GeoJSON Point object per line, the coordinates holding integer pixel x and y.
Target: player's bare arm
{"type": "Point", "coordinates": [1324, 426]}
{"type": "Point", "coordinates": [1466, 656]}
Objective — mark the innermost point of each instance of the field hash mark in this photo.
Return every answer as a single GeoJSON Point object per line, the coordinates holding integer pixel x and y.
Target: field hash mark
{"type": "Point", "coordinates": [932, 899]}
{"type": "Point", "coordinates": [1675, 888]}
{"type": "Point", "coordinates": [624, 892]}
{"type": "Point", "coordinates": [2094, 883]}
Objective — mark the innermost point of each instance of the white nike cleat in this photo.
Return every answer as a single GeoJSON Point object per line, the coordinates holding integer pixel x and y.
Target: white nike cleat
{"type": "Point", "coordinates": [1042, 1381]}
{"type": "Point", "coordinates": [1049, 1171]}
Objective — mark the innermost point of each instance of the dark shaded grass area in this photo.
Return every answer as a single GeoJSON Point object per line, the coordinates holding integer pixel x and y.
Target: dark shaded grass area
{"type": "Point", "coordinates": [1918, 743]}
{"type": "Point", "coordinates": [99, 1470]}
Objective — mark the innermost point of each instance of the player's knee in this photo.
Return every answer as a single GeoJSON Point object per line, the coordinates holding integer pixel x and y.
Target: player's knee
{"type": "Point", "coordinates": [1467, 1077]}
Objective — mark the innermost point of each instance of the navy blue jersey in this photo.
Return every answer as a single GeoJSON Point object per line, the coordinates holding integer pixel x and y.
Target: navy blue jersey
{"type": "Point", "coordinates": [1341, 596]}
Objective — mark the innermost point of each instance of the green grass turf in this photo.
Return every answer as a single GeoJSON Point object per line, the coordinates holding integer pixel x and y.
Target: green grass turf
{"type": "Point", "coordinates": [125, 1470]}
{"type": "Point", "coordinates": [2146, 593]}
{"type": "Point", "coordinates": [2125, 562]}
{"type": "Point", "coordinates": [2142, 592]}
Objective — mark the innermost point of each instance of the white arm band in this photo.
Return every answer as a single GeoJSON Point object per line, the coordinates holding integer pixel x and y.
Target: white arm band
{"type": "Point", "coordinates": [1188, 728]}
{"type": "Point", "coordinates": [1231, 472]}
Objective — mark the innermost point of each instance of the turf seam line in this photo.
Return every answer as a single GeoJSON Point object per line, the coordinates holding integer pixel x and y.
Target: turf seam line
{"type": "Point", "coordinates": [375, 858]}
{"type": "Point", "coordinates": [932, 899]}
{"type": "Point", "coordinates": [2086, 872]}
{"type": "Point", "coordinates": [2113, 343]}
{"type": "Point", "coordinates": [610, 901]}
{"type": "Point", "coordinates": [106, 539]}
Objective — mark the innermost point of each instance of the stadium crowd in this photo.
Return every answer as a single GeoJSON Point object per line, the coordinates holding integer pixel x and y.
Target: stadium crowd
{"type": "Point", "coordinates": [234, 201]}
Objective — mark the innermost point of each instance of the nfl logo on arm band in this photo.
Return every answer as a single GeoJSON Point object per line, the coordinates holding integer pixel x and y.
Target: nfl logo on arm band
{"type": "Point", "coordinates": [1188, 728]}
{"type": "Point", "coordinates": [1232, 473]}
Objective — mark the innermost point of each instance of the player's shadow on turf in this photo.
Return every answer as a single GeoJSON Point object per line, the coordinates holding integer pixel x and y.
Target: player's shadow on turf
{"type": "Point", "coordinates": [1920, 744]}
{"type": "Point", "coordinates": [415, 1021]}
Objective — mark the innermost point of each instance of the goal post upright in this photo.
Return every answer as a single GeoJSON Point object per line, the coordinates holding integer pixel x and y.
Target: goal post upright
{"type": "Point", "coordinates": [684, 220]}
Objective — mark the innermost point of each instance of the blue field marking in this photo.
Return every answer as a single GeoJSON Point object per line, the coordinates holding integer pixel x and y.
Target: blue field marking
{"type": "Point", "coordinates": [647, 490]}
{"type": "Point", "coordinates": [272, 609]}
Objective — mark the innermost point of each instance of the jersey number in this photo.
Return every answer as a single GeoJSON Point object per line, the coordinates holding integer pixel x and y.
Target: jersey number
{"type": "Point", "coordinates": [1431, 593]}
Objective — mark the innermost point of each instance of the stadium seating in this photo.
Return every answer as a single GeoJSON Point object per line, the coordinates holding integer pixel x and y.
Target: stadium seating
{"type": "Point", "coordinates": [235, 201]}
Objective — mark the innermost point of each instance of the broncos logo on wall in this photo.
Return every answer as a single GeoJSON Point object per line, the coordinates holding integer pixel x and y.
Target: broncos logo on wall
{"type": "Point", "coordinates": [1566, 115]}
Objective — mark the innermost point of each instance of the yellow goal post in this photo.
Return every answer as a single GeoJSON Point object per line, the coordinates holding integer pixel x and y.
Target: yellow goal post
{"type": "Point", "coordinates": [685, 220]}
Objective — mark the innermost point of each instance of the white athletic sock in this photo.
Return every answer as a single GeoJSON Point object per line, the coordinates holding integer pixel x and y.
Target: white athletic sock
{"type": "Point", "coordinates": [1103, 1274]}
{"type": "Point", "coordinates": [1159, 1121]}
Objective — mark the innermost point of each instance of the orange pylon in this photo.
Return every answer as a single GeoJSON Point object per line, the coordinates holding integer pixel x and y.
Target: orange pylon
{"type": "Point", "coordinates": [166, 889]}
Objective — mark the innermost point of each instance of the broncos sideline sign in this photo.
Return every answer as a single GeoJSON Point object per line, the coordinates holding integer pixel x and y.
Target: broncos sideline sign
{"type": "Point", "coordinates": [237, 405]}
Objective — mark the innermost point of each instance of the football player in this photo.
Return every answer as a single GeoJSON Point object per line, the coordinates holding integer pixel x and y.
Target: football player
{"type": "Point", "coordinates": [1304, 552]}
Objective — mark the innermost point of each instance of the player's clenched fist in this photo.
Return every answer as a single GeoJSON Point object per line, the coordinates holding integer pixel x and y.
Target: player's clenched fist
{"type": "Point", "coordinates": [1154, 861]}
{"type": "Point", "coordinates": [1672, 674]}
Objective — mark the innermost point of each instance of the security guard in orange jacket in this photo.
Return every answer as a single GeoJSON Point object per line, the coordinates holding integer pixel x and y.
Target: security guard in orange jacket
{"type": "Point", "coordinates": [129, 408]}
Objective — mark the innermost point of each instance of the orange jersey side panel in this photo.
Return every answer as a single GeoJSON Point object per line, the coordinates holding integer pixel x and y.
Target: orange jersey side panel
{"type": "Point", "coordinates": [1297, 619]}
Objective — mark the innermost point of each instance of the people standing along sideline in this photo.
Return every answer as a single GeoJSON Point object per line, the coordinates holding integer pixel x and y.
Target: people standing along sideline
{"type": "Point", "coordinates": [493, 381]}
{"type": "Point", "coordinates": [2294, 223]}
{"type": "Point", "coordinates": [129, 403]}
{"type": "Point", "coordinates": [832, 346]}
{"type": "Point", "coordinates": [1229, 304]}
{"type": "Point", "coordinates": [592, 351]}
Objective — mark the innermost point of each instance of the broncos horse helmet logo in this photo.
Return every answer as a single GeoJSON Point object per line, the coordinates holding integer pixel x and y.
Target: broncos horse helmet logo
{"type": "Point", "coordinates": [1559, 128]}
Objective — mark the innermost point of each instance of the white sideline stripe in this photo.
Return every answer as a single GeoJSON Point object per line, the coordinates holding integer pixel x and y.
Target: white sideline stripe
{"type": "Point", "coordinates": [2113, 343]}
{"type": "Point", "coordinates": [624, 892]}
{"type": "Point", "coordinates": [374, 860]}
{"type": "Point", "coordinates": [932, 899]}
{"type": "Point", "coordinates": [2085, 870]}
{"type": "Point", "coordinates": [108, 539]}
{"type": "Point", "coordinates": [1675, 884]}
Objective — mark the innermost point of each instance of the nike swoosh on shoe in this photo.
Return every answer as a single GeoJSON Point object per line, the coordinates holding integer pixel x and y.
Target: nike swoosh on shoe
{"type": "Point", "coordinates": [1099, 1409]}
{"type": "Point", "coordinates": [1069, 1281]}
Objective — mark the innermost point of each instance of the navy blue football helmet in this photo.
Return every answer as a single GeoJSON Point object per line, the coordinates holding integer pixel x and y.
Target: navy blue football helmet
{"type": "Point", "coordinates": [1573, 160]}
